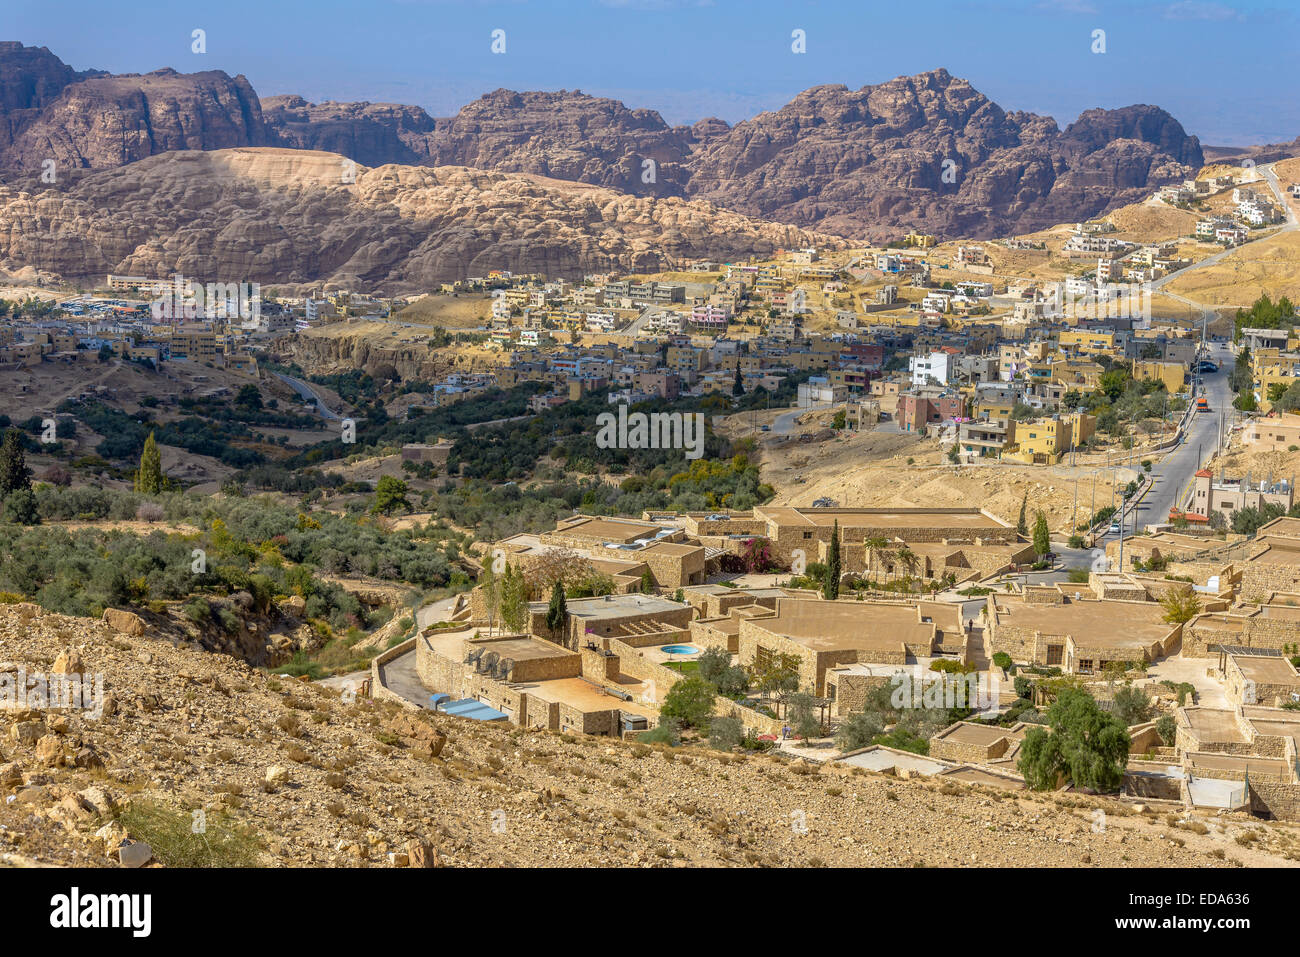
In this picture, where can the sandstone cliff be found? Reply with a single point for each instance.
(874, 160)
(108, 121)
(285, 217)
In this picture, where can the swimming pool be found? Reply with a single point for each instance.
(680, 649)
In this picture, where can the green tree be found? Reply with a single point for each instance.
(1180, 606)
(712, 662)
(149, 478)
(1002, 660)
(776, 674)
(831, 583)
(14, 473)
(557, 613)
(20, 508)
(1042, 538)
(690, 701)
(803, 716)
(514, 599)
(859, 729)
(249, 397)
(1082, 742)
(1132, 704)
(738, 387)
(1022, 523)
(390, 495)
(647, 582)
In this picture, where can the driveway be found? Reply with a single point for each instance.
(399, 676)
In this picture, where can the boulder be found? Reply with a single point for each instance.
(125, 622)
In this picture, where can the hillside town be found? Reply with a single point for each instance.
(647, 436)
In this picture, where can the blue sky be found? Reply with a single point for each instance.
(1225, 68)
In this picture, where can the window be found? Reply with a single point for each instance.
(1055, 654)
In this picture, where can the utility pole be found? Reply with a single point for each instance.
(1074, 509)
(1092, 515)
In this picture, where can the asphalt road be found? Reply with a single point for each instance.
(308, 393)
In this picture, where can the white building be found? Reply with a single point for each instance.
(936, 366)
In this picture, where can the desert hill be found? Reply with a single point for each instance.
(294, 774)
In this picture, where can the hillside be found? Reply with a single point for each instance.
(286, 217)
(291, 774)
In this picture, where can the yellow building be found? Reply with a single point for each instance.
(1171, 374)
(1045, 441)
(1269, 366)
(1087, 341)
(919, 240)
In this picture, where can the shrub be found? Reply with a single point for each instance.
(665, 732)
(1167, 728)
(690, 701)
(725, 733)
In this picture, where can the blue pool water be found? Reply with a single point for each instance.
(680, 649)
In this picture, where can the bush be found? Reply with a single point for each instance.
(1132, 704)
(1167, 728)
(665, 732)
(725, 733)
(690, 702)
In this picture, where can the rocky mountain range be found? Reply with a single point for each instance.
(285, 217)
(928, 152)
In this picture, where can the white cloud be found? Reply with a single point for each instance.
(1200, 10)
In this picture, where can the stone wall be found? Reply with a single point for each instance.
(1248, 630)
(1260, 578)
(965, 752)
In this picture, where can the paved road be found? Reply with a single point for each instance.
(784, 423)
(309, 394)
(399, 676)
(1172, 473)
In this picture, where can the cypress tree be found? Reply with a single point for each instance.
(831, 579)
(557, 615)
(15, 476)
(149, 479)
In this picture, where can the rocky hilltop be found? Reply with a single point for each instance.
(865, 162)
(570, 135)
(872, 160)
(107, 121)
(369, 133)
(284, 217)
(296, 774)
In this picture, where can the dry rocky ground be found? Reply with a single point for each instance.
(292, 774)
(871, 469)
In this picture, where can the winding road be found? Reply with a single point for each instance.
(309, 394)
